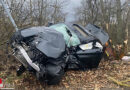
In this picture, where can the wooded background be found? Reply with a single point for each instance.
(110, 15)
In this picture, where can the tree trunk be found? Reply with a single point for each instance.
(120, 35)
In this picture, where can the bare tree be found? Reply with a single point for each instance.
(111, 15)
(57, 14)
(29, 13)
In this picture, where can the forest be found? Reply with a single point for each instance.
(113, 16)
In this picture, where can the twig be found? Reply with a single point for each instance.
(121, 83)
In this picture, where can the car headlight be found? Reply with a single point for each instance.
(90, 46)
(86, 46)
(98, 45)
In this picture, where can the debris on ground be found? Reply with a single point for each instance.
(90, 79)
(126, 58)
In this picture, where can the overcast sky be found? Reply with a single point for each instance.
(70, 9)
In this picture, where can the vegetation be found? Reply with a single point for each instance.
(110, 15)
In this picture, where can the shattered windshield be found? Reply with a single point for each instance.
(79, 30)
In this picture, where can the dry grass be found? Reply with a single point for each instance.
(72, 80)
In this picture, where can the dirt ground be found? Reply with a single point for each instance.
(96, 79)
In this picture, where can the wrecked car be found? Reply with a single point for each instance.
(50, 51)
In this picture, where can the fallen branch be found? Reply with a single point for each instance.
(121, 83)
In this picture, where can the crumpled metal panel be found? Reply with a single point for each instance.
(47, 40)
(98, 33)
